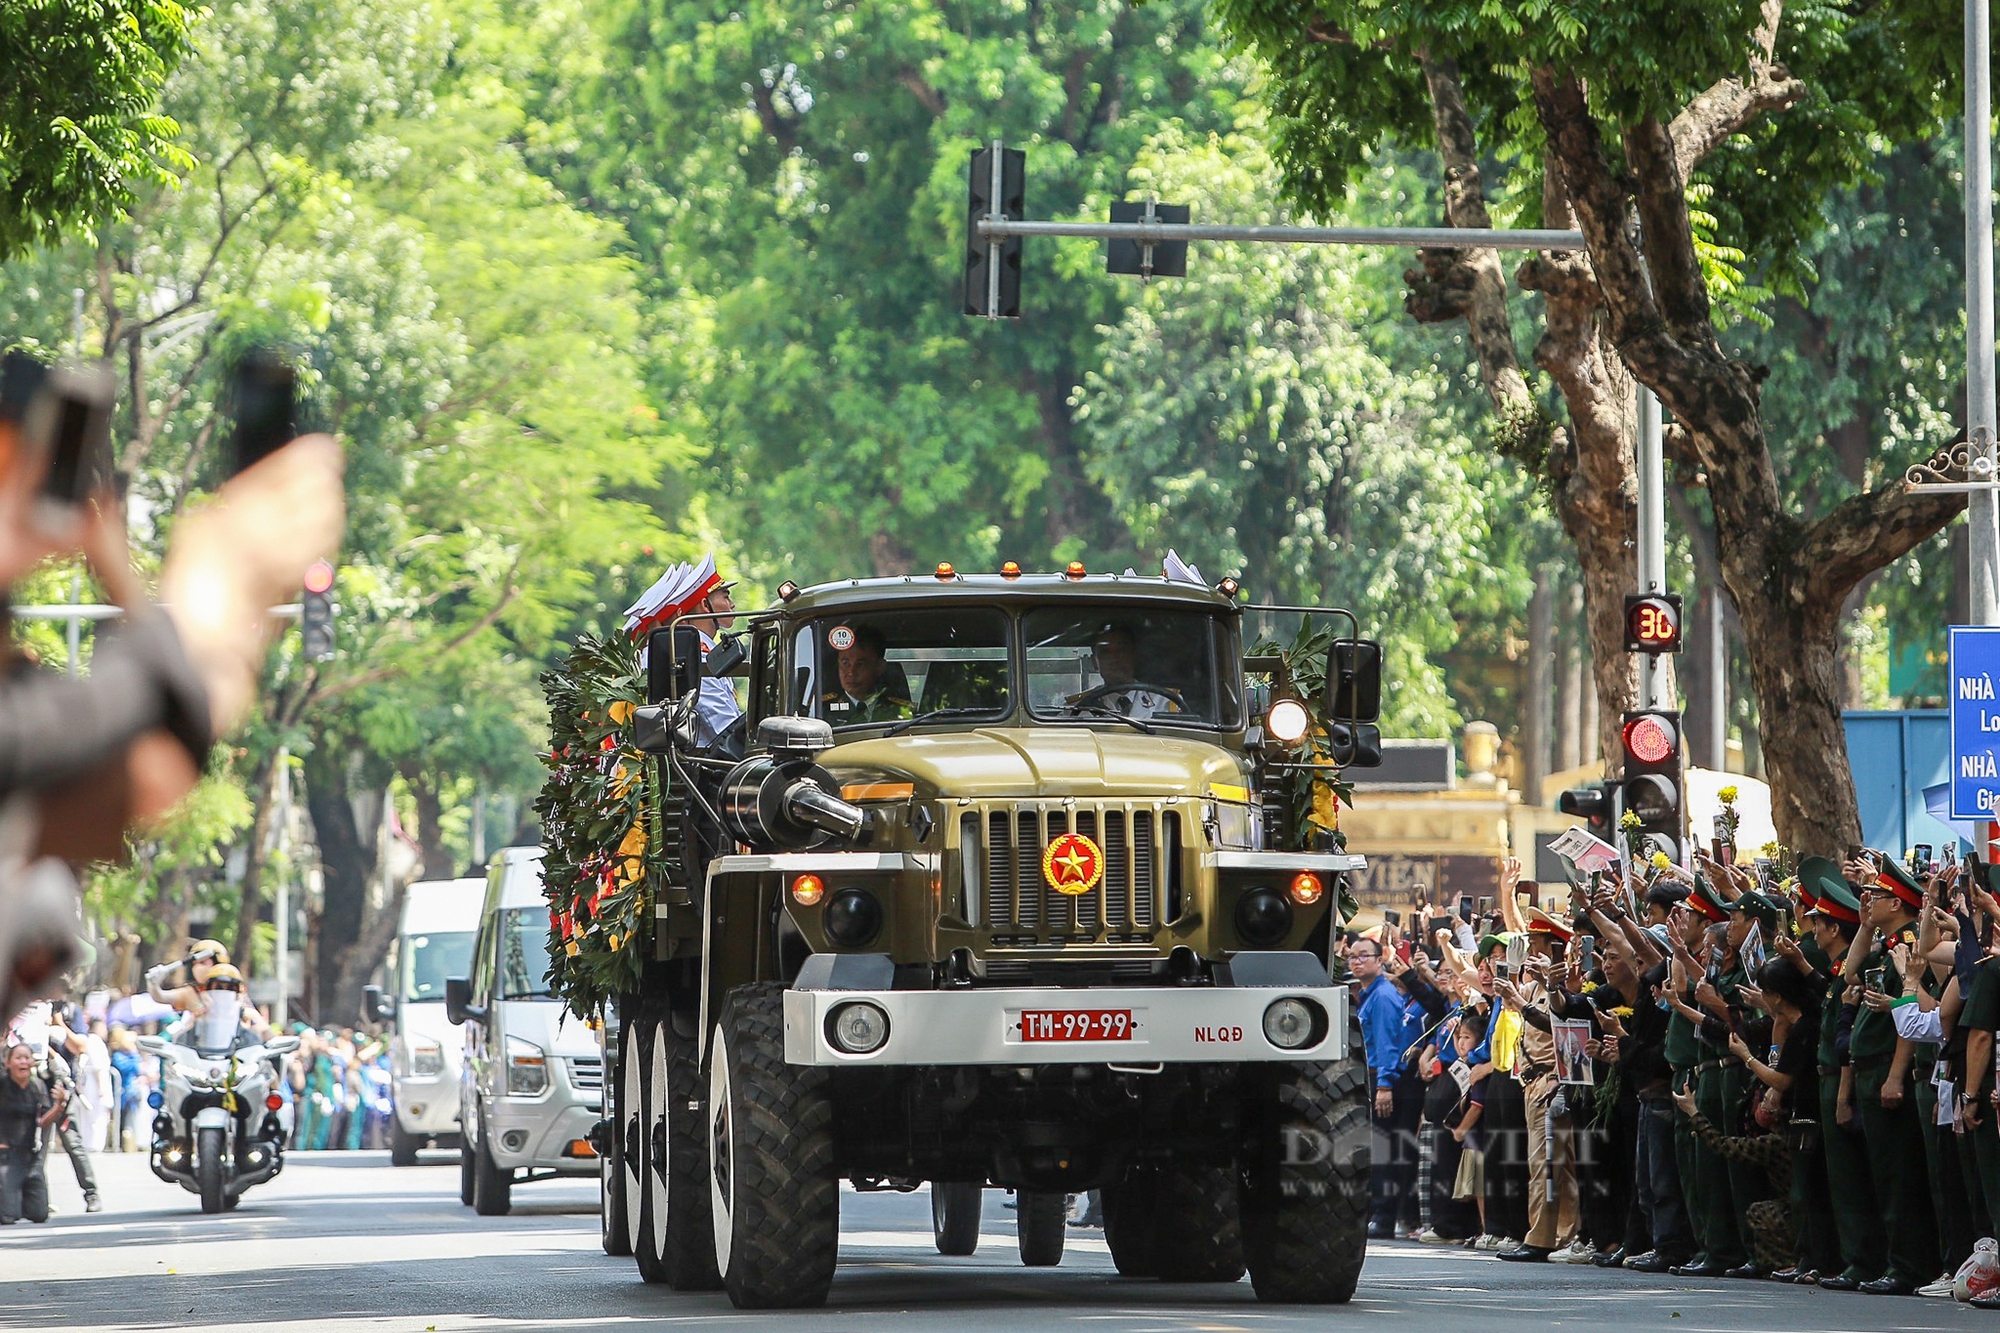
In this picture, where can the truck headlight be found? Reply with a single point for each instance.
(426, 1057)
(852, 917)
(1263, 917)
(1291, 1024)
(527, 1068)
(858, 1027)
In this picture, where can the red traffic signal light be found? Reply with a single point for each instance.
(319, 577)
(1653, 623)
(1651, 738)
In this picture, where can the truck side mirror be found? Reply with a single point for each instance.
(673, 663)
(375, 1006)
(458, 1005)
(1354, 680)
(1355, 744)
(652, 731)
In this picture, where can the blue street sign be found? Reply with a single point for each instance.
(1975, 721)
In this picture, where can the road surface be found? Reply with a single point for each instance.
(344, 1241)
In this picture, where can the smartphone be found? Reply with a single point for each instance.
(70, 420)
(1921, 857)
(263, 396)
(1763, 865)
(1393, 918)
(1465, 907)
(1872, 978)
(1586, 947)
(1485, 906)
(1949, 857)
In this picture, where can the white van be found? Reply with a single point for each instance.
(440, 918)
(532, 1087)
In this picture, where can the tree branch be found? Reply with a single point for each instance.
(1668, 233)
(1865, 533)
(1729, 104)
(930, 98)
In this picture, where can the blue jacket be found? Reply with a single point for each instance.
(1386, 1018)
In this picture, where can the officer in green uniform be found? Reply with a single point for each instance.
(870, 691)
(1664, 904)
(1704, 1174)
(1834, 913)
(1883, 1096)
(1728, 1083)
(1979, 1020)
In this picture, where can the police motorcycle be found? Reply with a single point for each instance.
(216, 1081)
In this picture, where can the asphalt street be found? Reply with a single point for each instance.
(344, 1241)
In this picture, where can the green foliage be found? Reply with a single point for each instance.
(601, 857)
(80, 132)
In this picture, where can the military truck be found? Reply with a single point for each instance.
(996, 890)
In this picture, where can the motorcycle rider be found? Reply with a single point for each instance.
(206, 959)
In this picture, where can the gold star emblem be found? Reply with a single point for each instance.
(1072, 864)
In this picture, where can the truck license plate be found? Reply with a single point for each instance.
(1076, 1025)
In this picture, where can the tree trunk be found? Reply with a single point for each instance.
(1535, 707)
(430, 832)
(265, 787)
(369, 946)
(347, 861)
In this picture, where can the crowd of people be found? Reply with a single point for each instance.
(1723, 1073)
(85, 760)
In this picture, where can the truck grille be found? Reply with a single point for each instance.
(586, 1073)
(1015, 901)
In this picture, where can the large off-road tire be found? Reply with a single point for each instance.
(649, 1209)
(1040, 1223)
(1131, 1217)
(492, 1184)
(775, 1196)
(614, 1198)
(211, 1167)
(1305, 1186)
(1197, 1228)
(466, 1162)
(955, 1214)
(683, 1232)
(402, 1147)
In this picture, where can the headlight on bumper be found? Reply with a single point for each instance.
(1293, 1023)
(857, 1028)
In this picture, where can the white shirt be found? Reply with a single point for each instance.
(715, 706)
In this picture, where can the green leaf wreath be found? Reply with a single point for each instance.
(602, 852)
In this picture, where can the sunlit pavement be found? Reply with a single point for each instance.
(345, 1241)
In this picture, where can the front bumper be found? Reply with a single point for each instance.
(545, 1129)
(1169, 1025)
(428, 1105)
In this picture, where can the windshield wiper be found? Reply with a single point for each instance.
(909, 722)
(1099, 710)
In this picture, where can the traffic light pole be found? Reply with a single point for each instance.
(1652, 538)
(993, 238)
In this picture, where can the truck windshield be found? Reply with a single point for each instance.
(429, 959)
(524, 954)
(1149, 664)
(887, 666)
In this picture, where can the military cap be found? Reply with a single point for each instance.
(1833, 897)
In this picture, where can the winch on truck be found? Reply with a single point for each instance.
(1003, 883)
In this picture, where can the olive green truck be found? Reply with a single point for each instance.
(995, 886)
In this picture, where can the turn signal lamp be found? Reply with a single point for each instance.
(807, 890)
(273, 1102)
(1010, 570)
(1075, 570)
(1287, 721)
(1306, 888)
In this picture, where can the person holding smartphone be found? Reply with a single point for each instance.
(1884, 1101)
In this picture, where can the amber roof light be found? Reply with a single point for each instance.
(1075, 570)
(1010, 570)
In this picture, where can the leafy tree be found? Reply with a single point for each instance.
(80, 131)
(1714, 130)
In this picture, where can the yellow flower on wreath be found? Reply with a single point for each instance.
(620, 712)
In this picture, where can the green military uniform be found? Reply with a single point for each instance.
(881, 706)
(1730, 1186)
(1895, 1139)
(1857, 1219)
(1683, 1053)
(1982, 1013)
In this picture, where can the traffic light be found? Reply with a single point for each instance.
(1168, 259)
(316, 613)
(1653, 622)
(1595, 806)
(1651, 790)
(979, 252)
